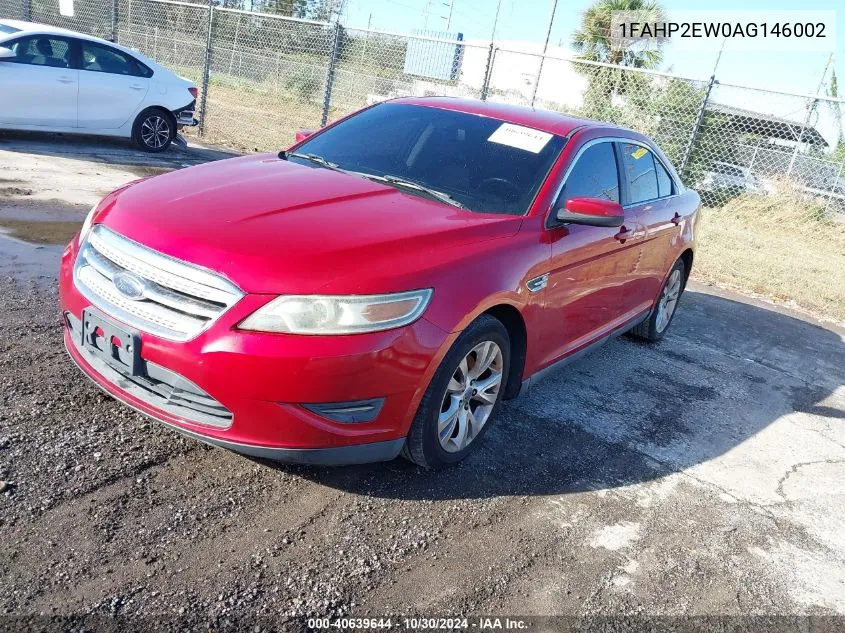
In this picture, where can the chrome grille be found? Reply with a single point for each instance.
(177, 300)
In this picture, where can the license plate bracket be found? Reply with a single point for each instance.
(100, 337)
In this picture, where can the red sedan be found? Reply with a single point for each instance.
(380, 287)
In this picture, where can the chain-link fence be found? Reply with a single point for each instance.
(771, 141)
(263, 76)
(662, 106)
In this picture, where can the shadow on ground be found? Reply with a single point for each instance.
(103, 149)
(633, 412)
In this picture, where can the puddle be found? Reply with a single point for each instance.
(23, 261)
(142, 171)
(39, 232)
(15, 191)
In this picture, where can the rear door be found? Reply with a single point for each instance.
(39, 85)
(650, 198)
(589, 264)
(112, 85)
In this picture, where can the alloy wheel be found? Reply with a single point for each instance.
(155, 131)
(668, 301)
(471, 394)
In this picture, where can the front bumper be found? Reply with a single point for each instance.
(262, 381)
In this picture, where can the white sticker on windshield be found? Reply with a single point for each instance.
(520, 137)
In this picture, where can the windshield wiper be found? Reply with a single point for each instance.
(410, 184)
(314, 158)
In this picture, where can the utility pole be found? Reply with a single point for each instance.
(367, 39)
(719, 56)
(495, 21)
(545, 48)
(451, 5)
(811, 106)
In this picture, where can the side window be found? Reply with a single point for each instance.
(104, 59)
(638, 164)
(41, 50)
(664, 180)
(594, 175)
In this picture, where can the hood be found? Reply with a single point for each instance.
(272, 226)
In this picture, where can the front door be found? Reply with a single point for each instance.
(39, 84)
(589, 264)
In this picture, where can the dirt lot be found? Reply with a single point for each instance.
(701, 476)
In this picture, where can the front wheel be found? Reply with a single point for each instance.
(154, 130)
(653, 328)
(463, 396)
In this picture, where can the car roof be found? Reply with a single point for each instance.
(33, 28)
(543, 120)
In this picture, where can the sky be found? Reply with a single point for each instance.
(529, 19)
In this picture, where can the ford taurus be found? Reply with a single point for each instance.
(380, 287)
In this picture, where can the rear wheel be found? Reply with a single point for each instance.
(154, 130)
(653, 328)
(463, 396)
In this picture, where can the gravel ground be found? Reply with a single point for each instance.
(700, 476)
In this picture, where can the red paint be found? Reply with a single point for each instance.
(301, 135)
(275, 227)
(596, 207)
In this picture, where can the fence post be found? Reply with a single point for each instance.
(804, 124)
(699, 119)
(833, 188)
(206, 71)
(488, 71)
(539, 76)
(114, 21)
(753, 157)
(27, 11)
(327, 98)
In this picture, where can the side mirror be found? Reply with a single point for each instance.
(6, 53)
(301, 135)
(592, 212)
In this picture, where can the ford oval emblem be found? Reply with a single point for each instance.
(129, 285)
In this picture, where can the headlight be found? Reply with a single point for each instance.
(354, 314)
(86, 225)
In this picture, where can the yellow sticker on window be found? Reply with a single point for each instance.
(639, 153)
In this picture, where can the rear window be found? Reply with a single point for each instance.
(104, 59)
(639, 170)
(5, 29)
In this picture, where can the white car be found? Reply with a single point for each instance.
(55, 80)
(733, 178)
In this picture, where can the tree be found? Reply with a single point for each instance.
(839, 150)
(592, 41)
(289, 8)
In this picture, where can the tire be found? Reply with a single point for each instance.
(424, 445)
(154, 130)
(657, 324)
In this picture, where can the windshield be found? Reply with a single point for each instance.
(477, 162)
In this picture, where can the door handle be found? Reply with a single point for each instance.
(676, 219)
(136, 87)
(65, 80)
(624, 234)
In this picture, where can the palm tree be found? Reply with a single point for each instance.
(592, 41)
